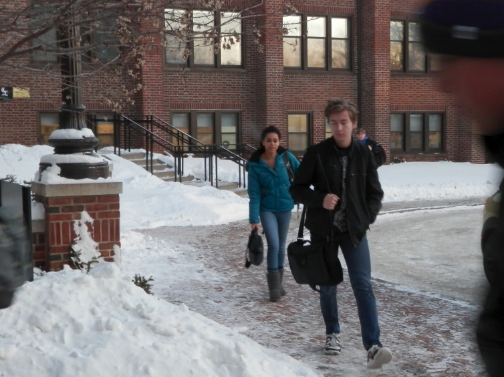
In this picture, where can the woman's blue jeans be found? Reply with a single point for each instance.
(276, 228)
(359, 270)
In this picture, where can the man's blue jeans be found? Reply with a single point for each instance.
(276, 228)
(359, 269)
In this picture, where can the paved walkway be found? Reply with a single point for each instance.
(429, 335)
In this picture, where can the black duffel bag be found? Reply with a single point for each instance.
(314, 264)
(254, 254)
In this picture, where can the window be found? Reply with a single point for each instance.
(102, 42)
(49, 122)
(209, 127)
(316, 42)
(102, 125)
(417, 132)
(406, 50)
(45, 45)
(203, 38)
(298, 132)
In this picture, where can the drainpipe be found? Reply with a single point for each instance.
(359, 61)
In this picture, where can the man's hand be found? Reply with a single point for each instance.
(330, 201)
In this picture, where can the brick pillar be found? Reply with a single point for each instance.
(270, 70)
(64, 204)
(375, 85)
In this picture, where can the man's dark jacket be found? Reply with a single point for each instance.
(490, 332)
(363, 189)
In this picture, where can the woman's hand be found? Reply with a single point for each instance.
(254, 226)
(330, 201)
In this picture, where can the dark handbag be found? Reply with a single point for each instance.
(314, 264)
(254, 254)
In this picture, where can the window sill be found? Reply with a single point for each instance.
(398, 152)
(397, 73)
(203, 69)
(319, 72)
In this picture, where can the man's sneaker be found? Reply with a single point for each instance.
(332, 344)
(377, 356)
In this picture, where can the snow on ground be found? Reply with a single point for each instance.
(70, 324)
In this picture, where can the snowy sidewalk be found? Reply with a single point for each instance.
(428, 336)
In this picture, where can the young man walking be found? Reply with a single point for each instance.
(338, 182)
(469, 36)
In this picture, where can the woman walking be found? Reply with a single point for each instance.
(271, 203)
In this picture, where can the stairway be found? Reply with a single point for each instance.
(167, 173)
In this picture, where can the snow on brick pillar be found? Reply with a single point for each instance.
(270, 70)
(375, 63)
(64, 204)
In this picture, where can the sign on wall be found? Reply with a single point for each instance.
(7, 93)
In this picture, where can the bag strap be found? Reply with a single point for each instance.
(288, 166)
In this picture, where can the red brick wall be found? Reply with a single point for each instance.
(263, 92)
(61, 213)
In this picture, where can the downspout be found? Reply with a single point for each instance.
(359, 61)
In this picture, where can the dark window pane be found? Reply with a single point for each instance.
(292, 26)
(416, 57)
(416, 122)
(339, 28)
(414, 32)
(292, 52)
(435, 63)
(298, 142)
(297, 122)
(416, 140)
(396, 56)
(204, 51)
(316, 27)
(175, 49)
(435, 122)
(203, 23)
(416, 131)
(397, 131)
(230, 140)
(396, 31)
(316, 53)
(339, 53)
(396, 140)
(435, 140)
(231, 51)
(229, 123)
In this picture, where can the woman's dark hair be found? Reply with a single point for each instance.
(269, 130)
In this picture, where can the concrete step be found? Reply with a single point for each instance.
(241, 192)
(164, 174)
(133, 155)
(230, 186)
(186, 178)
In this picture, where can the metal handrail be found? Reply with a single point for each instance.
(131, 128)
(193, 145)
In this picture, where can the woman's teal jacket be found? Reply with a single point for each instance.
(268, 189)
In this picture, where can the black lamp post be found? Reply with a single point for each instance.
(82, 141)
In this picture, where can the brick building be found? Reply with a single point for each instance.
(367, 51)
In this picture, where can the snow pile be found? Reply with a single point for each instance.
(102, 325)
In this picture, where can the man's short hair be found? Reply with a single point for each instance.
(360, 131)
(337, 105)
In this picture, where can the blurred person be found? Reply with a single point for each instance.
(271, 203)
(376, 148)
(338, 182)
(469, 37)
